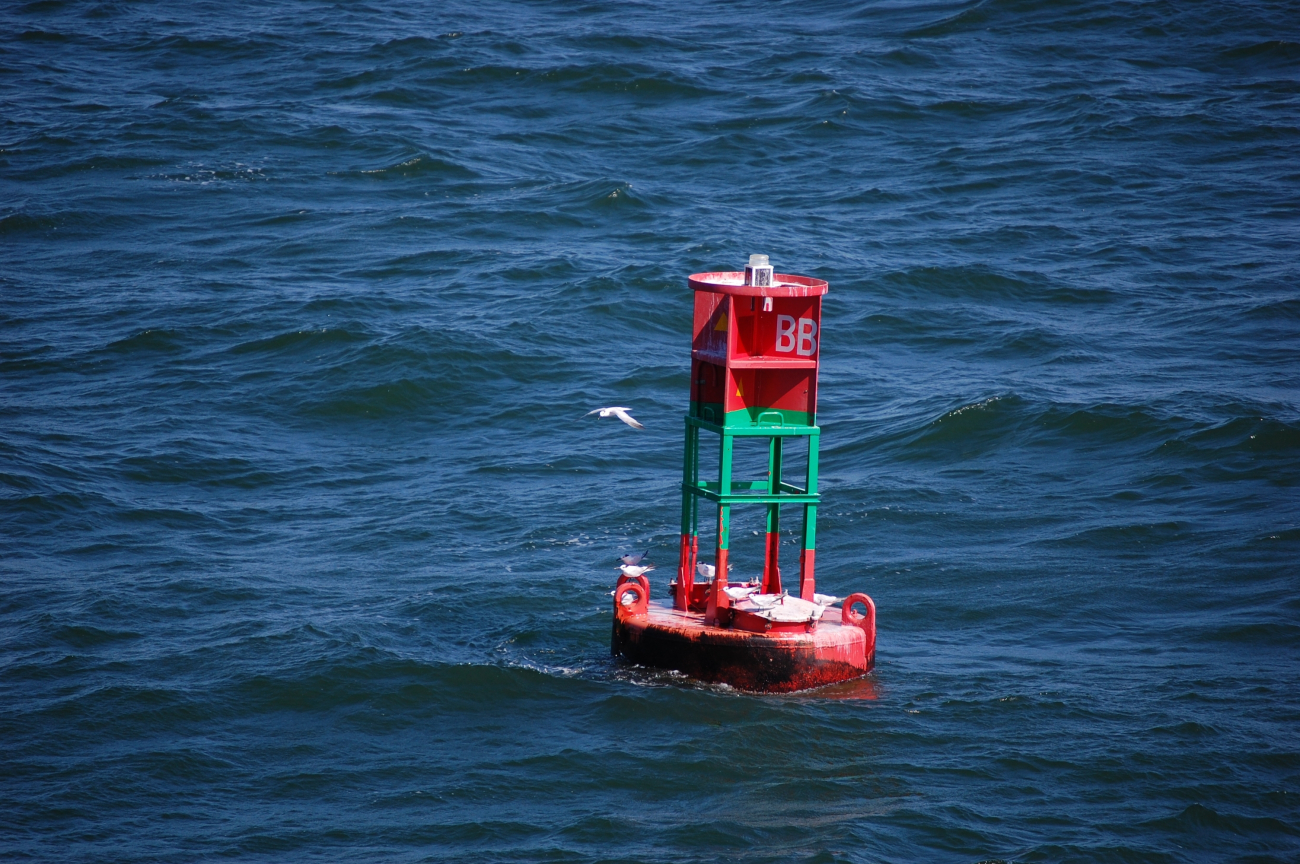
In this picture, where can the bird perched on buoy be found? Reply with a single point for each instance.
(619, 412)
(708, 571)
(632, 571)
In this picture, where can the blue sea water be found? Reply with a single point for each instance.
(304, 542)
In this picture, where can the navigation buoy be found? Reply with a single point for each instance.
(754, 361)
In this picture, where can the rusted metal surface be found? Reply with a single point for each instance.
(775, 662)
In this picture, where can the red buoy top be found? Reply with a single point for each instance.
(733, 282)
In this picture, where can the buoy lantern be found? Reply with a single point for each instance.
(754, 361)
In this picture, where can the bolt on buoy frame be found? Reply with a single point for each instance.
(754, 362)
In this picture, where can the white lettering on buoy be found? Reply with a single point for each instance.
(784, 333)
(807, 337)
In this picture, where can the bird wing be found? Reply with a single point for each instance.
(621, 413)
(596, 411)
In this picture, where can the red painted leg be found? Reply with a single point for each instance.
(771, 568)
(807, 564)
(695, 552)
(685, 575)
(718, 598)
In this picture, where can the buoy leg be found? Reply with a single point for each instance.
(685, 560)
(808, 557)
(771, 568)
(718, 598)
(718, 593)
(685, 574)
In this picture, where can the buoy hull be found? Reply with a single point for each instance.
(776, 662)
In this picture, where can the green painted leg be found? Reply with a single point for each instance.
(724, 541)
(771, 563)
(690, 470)
(724, 464)
(813, 441)
(808, 557)
(717, 597)
(695, 480)
(690, 545)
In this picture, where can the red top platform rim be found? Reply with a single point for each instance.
(733, 282)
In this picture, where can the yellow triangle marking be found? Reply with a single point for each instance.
(738, 393)
(722, 322)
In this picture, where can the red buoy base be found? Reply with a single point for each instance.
(653, 633)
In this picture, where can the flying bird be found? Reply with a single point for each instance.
(634, 571)
(632, 559)
(620, 413)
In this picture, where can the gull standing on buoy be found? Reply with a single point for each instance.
(633, 571)
(620, 413)
(708, 571)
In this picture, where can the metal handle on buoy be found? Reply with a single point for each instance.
(866, 622)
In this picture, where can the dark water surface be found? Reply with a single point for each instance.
(304, 545)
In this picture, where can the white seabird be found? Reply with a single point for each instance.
(619, 412)
(708, 571)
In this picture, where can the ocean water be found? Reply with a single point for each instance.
(305, 543)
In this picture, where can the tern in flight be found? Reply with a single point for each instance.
(633, 558)
(620, 413)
